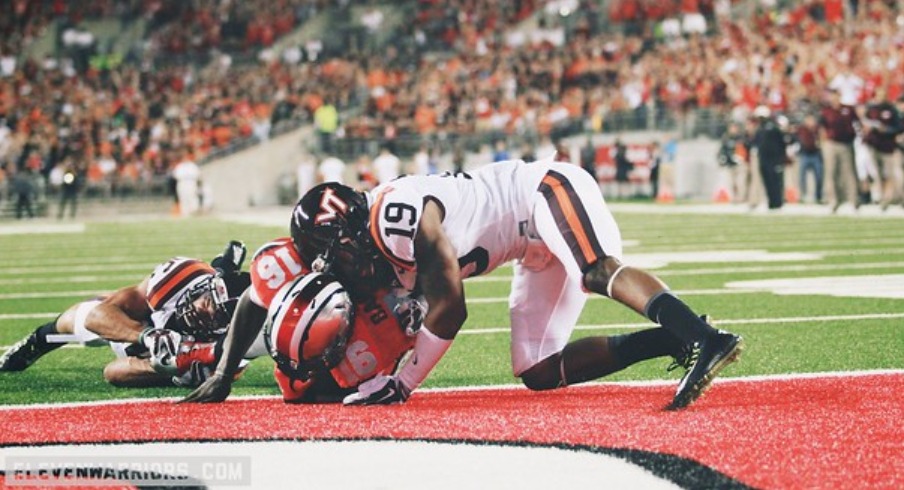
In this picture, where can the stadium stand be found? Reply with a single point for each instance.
(123, 87)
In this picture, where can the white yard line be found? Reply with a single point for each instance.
(621, 326)
(739, 270)
(91, 293)
(719, 322)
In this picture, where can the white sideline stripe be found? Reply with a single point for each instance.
(620, 326)
(719, 322)
(69, 280)
(55, 294)
(655, 382)
(738, 270)
(596, 297)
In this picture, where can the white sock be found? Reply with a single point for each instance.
(428, 350)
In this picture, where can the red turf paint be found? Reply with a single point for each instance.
(832, 432)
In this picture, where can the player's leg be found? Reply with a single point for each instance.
(544, 308)
(575, 223)
(42, 340)
(134, 372)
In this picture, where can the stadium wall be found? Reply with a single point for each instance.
(252, 177)
(263, 175)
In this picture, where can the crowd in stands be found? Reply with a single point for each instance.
(529, 69)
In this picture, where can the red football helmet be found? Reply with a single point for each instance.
(308, 325)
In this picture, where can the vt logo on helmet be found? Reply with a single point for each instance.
(331, 207)
(330, 230)
(308, 325)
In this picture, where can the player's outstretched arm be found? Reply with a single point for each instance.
(245, 326)
(121, 316)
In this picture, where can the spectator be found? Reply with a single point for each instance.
(623, 167)
(882, 125)
(588, 157)
(769, 142)
(386, 165)
(420, 163)
(655, 164)
(326, 121)
(331, 169)
(70, 185)
(187, 175)
(500, 152)
(810, 157)
(305, 174)
(364, 169)
(23, 187)
(837, 142)
(733, 152)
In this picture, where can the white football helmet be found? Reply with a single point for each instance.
(308, 325)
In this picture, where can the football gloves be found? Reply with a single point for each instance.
(196, 374)
(230, 261)
(381, 390)
(163, 346)
(410, 313)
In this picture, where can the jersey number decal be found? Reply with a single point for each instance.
(362, 361)
(396, 213)
(475, 262)
(276, 269)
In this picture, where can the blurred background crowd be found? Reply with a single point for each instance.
(114, 98)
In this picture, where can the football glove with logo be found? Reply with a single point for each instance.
(381, 390)
(410, 313)
(196, 374)
(163, 346)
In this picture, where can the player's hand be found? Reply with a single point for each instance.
(214, 390)
(381, 390)
(163, 346)
(230, 261)
(196, 374)
(410, 313)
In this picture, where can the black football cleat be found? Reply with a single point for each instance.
(23, 354)
(716, 352)
(688, 354)
(685, 358)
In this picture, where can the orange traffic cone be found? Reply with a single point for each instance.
(665, 196)
(792, 195)
(722, 196)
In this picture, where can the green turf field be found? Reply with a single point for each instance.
(717, 262)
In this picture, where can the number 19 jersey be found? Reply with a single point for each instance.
(486, 215)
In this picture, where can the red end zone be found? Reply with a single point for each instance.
(827, 432)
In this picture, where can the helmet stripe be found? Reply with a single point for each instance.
(313, 295)
(181, 277)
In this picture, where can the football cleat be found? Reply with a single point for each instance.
(23, 354)
(686, 358)
(716, 352)
(688, 354)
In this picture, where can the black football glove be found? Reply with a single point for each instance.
(231, 259)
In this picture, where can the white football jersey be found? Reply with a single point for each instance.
(486, 215)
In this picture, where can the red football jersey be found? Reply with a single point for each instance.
(377, 342)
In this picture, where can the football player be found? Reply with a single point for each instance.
(548, 217)
(312, 367)
(163, 330)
